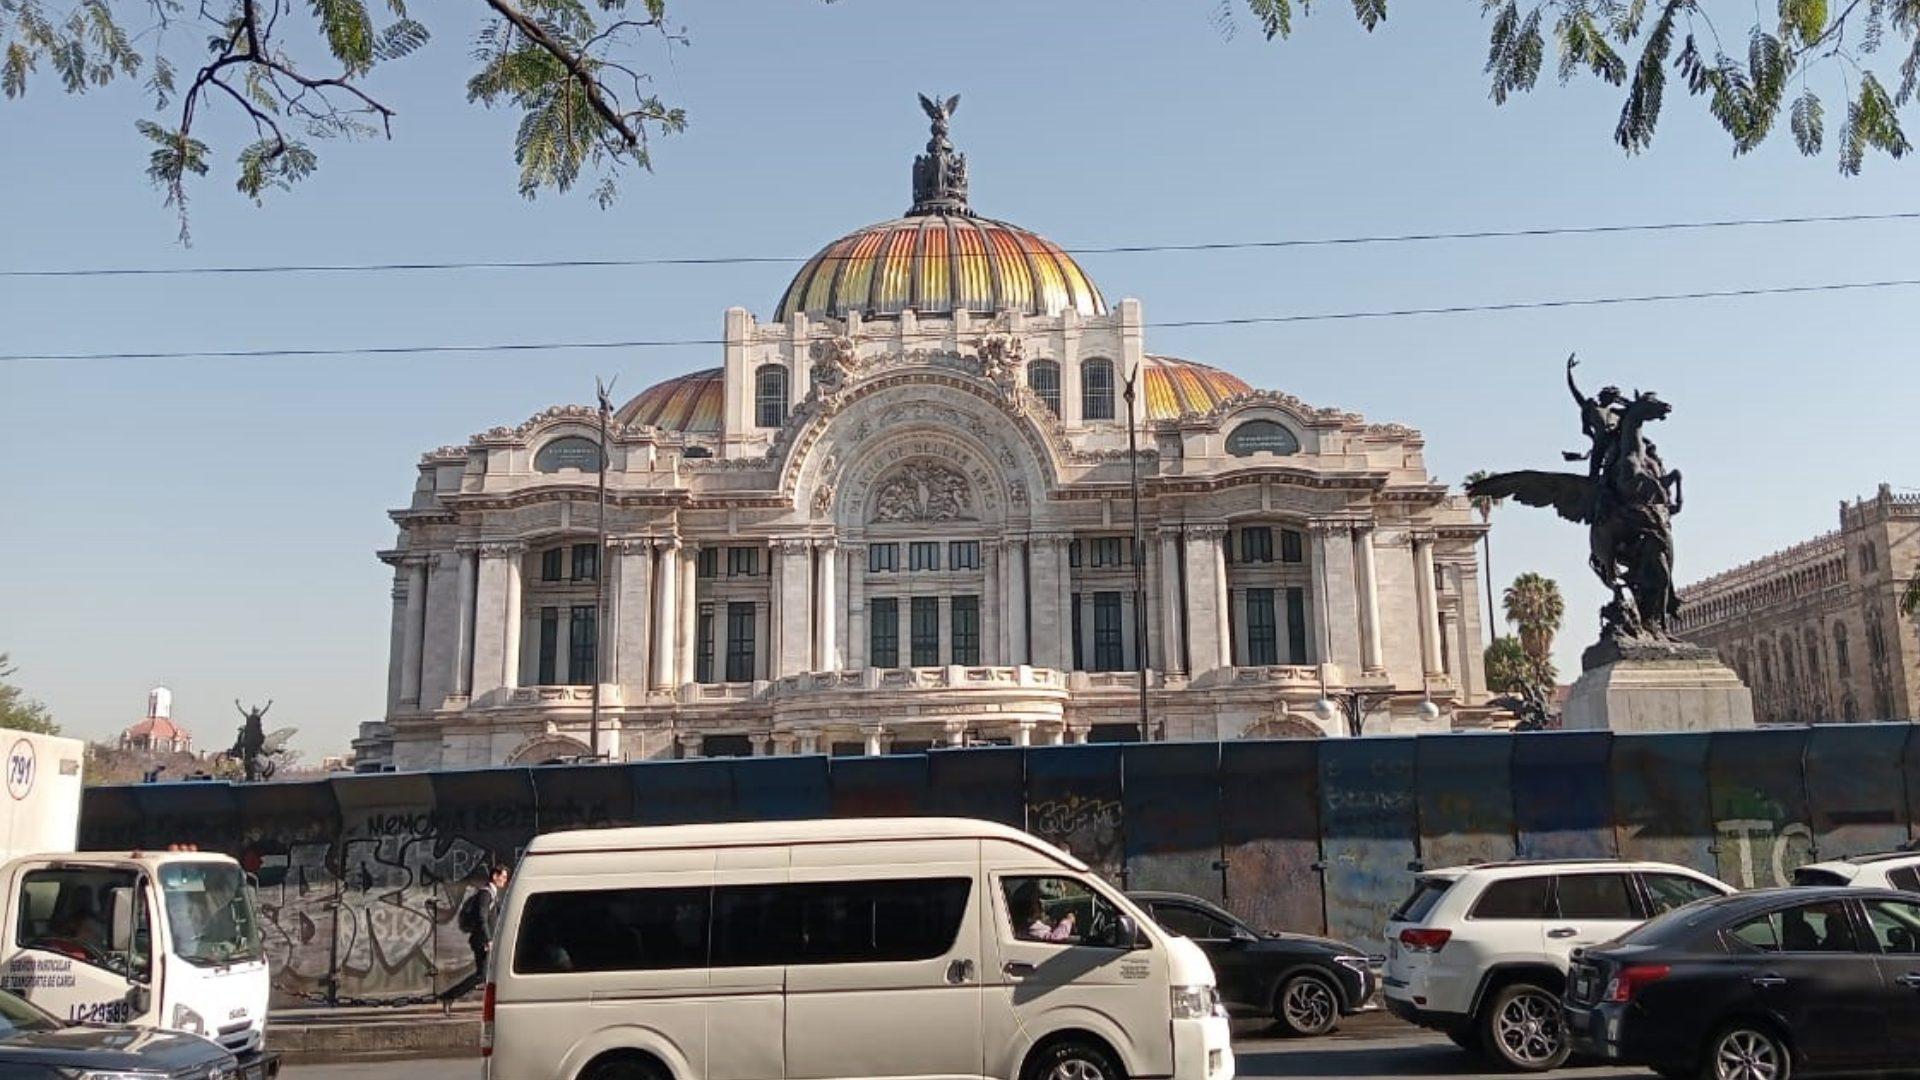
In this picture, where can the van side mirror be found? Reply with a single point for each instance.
(120, 901)
(1125, 933)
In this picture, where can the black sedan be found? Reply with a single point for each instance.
(1305, 983)
(35, 1045)
(1757, 986)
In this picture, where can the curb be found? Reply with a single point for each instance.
(315, 1036)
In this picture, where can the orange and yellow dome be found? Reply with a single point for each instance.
(936, 264)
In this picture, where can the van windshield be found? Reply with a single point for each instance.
(209, 914)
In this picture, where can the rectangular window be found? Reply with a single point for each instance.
(1296, 625)
(1515, 898)
(926, 631)
(1263, 645)
(1108, 551)
(963, 555)
(1256, 544)
(1596, 896)
(966, 629)
(581, 646)
(553, 564)
(883, 558)
(1079, 658)
(549, 646)
(613, 930)
(95, 915)
(841, 922)
(709, 565)
(1290, 546)
(740, 641)
(703, 645)
(1073, 553)
(726, 746)
(586, 562)
(1108, 651)
(883, 632)
(743, 561)
(923, 555)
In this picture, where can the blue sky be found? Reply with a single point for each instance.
(210, 524)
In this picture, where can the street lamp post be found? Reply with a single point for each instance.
(601, 391)
(1142, 653)
(1351, 704)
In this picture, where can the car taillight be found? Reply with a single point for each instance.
(486, 1022)
(1426, 941)
(1628, 982)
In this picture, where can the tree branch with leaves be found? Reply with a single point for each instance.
(1746, 82)
(290, 73)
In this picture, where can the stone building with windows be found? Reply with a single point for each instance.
(898, 515)
(1816, 630)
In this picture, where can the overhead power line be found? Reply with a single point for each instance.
(1118, 249)
(1247, 320)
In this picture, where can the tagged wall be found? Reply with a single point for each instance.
(361, 877)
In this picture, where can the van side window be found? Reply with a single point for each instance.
(613, 930)
(93, 915)
(838, 922)
(1057, 909)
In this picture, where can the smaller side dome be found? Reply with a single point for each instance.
(1173, 387)
(692, 403)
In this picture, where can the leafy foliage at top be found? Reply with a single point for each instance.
(289, 72)
(1745, 83)
(17, 710)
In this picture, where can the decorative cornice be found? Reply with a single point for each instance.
(501, 549)
(1205, 531)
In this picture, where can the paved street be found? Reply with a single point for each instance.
(1370, 1055)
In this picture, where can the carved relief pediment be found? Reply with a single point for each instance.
(923, 491)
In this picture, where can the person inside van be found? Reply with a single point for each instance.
(1030, 917)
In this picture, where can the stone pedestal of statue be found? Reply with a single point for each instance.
(1656, 686)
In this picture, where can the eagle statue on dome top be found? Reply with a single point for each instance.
(1627, 498)
(940, 174)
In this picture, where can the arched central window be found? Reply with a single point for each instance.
(770, 396)
(1043, 377)
(1096, 390)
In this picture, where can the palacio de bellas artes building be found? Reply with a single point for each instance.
(898, 516)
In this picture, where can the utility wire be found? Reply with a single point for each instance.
(1121, 249)
(1249, 320)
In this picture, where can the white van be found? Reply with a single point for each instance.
(810, 950)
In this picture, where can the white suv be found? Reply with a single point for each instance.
(1480, 952)
(1889, 870)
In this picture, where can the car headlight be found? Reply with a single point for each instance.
(185, 1019)
(1196, 1003)
(1359, 965)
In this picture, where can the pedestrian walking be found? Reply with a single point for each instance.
(476, 919)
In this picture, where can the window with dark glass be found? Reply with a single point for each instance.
(840, 922)
(547, 673)
(1596, 896)
(883, 632)
(1043, 377)
(966, 629)
(923, 555)
(703, 645)
(1821, 927)
(1515, 898)
(743, 561)
(963, 555)
(726, 746)
(1079, 660)
(1108, 551)
(1256, 544)
(1895, 925)
(1841, 661)
(1073, 553)
(770, 396)
(709, 562)
(926, 631)
(1669, 891)
(581, 645)
(98, 916)
(1263, 644)
(586, 562)
(553, 564)
(1191, 922)
(1096, 390)
(613, 930)
(740, 641)
(1108, 649)
(883, 558)
(1290, 546)
(1296, 626)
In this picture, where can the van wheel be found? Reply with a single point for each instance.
(1072, 1060)
(1521, 1028)
(1307, 1005)
(623, 1068)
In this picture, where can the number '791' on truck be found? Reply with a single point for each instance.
(155, 939)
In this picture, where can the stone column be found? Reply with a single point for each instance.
(691, 744)
(1017, 595)
(793, 630)
(666, 607)
(1023, 733)
(1333, 541)
(762, 744)
(875, 740)
(1206, 598)
(633, 611)
(496, 628)
(857, 633)
(1063, 576)
(1085, 604)
(463, 621)
(1217, 552)
(1172, 620)
(1043, 600)
(992, 651)
(1429, 607)
(771, 647)
(414, 629)
(1372, 658)
(689, 612)
(441, 628)
(826, 647)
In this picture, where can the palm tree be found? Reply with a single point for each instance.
(1485, 504)
(1533, 604)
